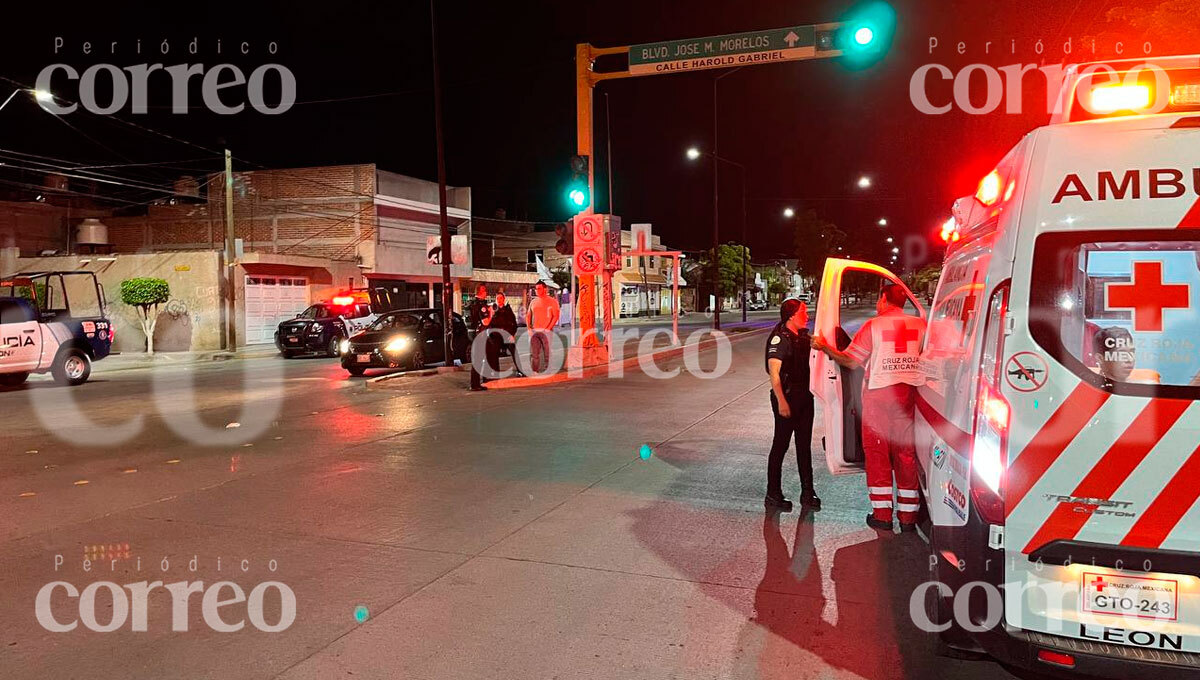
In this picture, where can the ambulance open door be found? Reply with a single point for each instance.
(848, 292)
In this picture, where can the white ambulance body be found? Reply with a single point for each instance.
(1058, 429)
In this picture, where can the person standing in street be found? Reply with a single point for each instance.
(479, 318)
(542, 320)
(889, 346)
(505, 319)
(792, 404)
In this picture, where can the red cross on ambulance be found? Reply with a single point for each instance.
(1147, 296)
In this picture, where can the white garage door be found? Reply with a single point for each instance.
(270, 300)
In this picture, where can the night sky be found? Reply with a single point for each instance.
(804, 130)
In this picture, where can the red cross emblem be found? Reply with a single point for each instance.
(1147, 296)
(900, 335)
(1100, 584)
(968, 308)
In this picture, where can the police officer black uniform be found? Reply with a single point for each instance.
(479, 318)
(788, 350)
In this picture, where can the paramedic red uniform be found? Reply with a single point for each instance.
(889, 346)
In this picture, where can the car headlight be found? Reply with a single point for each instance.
(344, 346)
(396, 345)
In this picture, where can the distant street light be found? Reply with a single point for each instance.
(693, 153)
(895, 250)
(890, 239)
(882, 222)
(40, 95)
(789, 213)
(864, 182)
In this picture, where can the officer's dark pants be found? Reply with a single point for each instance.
(491, 348)
(799, 426)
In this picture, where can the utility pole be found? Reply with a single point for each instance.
(231, 299)
(447, 288)
(716, 254)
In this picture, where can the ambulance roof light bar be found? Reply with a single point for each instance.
(1112, 98)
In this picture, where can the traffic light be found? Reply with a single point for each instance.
(579, 197)
(566, 238)
(866, 33)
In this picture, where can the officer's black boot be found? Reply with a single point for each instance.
(810, 500)
(777, 502)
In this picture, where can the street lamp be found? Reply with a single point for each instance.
(895, 250)
(890, 239)
(40, 95)
(882, 222)
(694, 153)
(789, 213)
(864, 182)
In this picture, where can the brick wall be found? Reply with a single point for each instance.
(320, 212)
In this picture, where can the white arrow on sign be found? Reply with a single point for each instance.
(791, 38)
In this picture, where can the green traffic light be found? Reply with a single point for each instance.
(866, 33)
(577, 197)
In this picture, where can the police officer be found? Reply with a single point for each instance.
(479, 318)
(792, 404)
(889, 346)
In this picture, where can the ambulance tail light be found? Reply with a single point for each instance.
(993, 416)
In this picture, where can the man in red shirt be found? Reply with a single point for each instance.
(542, 320)
(889, 347)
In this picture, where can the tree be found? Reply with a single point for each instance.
(730, 267)
(562, 278)
(815, 239)
(921, 282)
(146, 294)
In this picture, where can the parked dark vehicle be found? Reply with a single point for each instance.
(322, 327)
(405, 338)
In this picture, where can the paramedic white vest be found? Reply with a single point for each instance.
(895, 351)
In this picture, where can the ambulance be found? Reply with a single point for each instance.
(1057, 427)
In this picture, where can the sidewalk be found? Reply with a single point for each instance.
(128, 361)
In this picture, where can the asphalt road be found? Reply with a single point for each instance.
(429, 532)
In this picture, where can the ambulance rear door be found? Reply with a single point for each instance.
(848, 294)
(1096, 447)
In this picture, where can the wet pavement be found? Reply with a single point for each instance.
(429, 532)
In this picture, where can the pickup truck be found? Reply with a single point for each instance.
(52, 322)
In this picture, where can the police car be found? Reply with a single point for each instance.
(1057, 427)
(321, 328)
(52, 322)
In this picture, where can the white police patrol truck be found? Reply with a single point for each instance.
(52, 322)
(1058, 429)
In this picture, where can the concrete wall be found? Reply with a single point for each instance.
(190, 321)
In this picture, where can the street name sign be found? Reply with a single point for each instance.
(724, 51)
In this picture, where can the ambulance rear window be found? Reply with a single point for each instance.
(1121, 312)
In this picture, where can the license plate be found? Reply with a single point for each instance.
(364, 358)
(1137, 596)
(293, 340)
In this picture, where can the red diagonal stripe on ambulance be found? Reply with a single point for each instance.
(1159, 520)
(1125, 455)
(1050, 441)
(1191, 219)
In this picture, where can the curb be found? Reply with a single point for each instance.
(602, 369)
(167, 360)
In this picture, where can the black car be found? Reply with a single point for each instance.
(405, 338)
(321, 328)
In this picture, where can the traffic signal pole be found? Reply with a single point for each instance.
(818, 41)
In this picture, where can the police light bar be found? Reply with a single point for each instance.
(1113, 98)
(343, 300)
